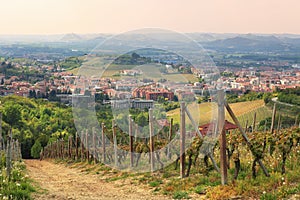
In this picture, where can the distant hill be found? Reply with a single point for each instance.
(71, 37)
(255, 43)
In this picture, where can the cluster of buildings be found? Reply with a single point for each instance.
(152, 92)
(142, 93)
(263, 79)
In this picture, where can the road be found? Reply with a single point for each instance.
(61, 182)
(275, 99)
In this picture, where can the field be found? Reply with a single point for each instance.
(243, 110)
(101, 67)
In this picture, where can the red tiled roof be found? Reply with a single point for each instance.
(204, 129)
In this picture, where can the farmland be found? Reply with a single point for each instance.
(102, 66)
(243, 110)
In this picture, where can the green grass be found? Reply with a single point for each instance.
(19, 186)
(181, 195)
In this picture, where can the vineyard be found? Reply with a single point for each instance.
(257, 164)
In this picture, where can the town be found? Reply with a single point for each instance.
(55, 83)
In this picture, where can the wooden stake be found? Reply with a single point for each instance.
(151, 139)
(279, 123)
(82, 146)
(182, 139)
(254, 121)
(62, 148)
(70, 146)
(8, 156)
(1, 137)
(273, 118)
(103, 142)
(221, 129)
(94, 146)
(170, 138)
(115, 142)
(87, 148)
(246, 126)
(76, 146)
(136, 132)
(130, 140)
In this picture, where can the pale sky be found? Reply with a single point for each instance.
(115, 16)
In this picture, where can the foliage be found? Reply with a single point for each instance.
(132, 59)
(180, 195)
(71, 63)
(19, 187)
(291, 96)
(248, 96)
(35, 119)
(36, 149)
(12, 114)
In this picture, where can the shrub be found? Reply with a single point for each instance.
(181, 195)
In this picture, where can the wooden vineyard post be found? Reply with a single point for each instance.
(18, 150)
(103, 142)
(246, 126)
(222, 132)
(12, 149)
(87, 145)
(51, 150)
(136, 132)
(115, 143)
(170, 138)
(94, 146)
(1, 137)
(8, 156)
(82, 146)
(62, 148)
(182, 139)
(76, 146)
(55, 149)
(296, 121)
(273, 118)
(151, 139)
(245, 137)
(58, 148)
(279, 123)
(254, 121)
(130, 140)
(70, 147)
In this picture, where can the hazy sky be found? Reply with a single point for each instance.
(114, 16)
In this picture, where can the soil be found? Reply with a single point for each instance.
(58, 181)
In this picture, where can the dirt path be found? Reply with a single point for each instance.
(61, 182)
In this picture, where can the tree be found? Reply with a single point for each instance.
(135, 56)
(142, 120)
(52, 96)
(36, 149)
(267, 97)
(160, 99)
(12, 114)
